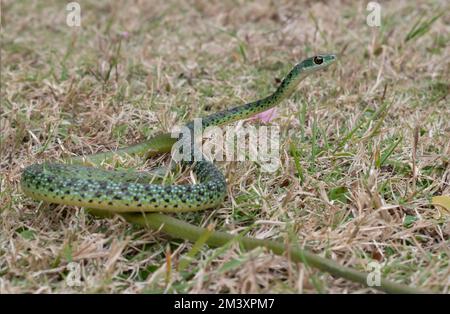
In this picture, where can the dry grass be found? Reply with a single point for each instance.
(353, 185)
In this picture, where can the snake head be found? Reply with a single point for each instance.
(317, 62)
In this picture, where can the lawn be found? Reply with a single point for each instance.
(364, 145)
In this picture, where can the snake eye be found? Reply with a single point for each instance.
(318, 60)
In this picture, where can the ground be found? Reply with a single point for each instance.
(364, 145)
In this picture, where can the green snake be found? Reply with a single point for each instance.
(131, 195)
(120, 191)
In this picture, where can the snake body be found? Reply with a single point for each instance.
(120, 191)
(131, 195)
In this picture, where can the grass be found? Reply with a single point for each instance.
(364, 145)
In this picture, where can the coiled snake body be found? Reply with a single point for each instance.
(129, 194)
(119, 191)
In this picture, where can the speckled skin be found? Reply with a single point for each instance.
(102, 189)
(121, 191)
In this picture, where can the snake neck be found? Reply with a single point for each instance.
(288, 86)
(284, 90)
